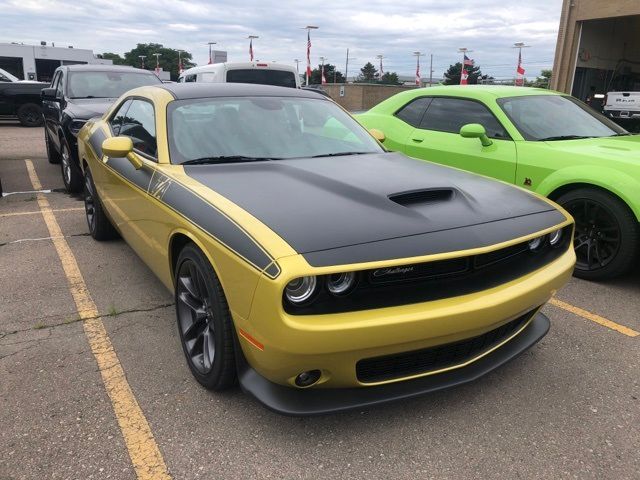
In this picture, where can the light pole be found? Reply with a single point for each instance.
(297, 66)
(157, 55)
(210, 59)
(519, 80)
(464, 52)
(322, 79)
(380, 57)
(418, 55)
(180, 61)
(308, 28)
(142, 57)
(251, 37)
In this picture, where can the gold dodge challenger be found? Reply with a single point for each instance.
(317, 269)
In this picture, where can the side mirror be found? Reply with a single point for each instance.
(377, 134)
(475, 130)
(120, 147)
(49, 94)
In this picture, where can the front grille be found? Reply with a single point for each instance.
(406, 364)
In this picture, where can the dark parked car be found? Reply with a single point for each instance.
(76, 94)
(19, 98)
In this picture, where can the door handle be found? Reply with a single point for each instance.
(417, 140)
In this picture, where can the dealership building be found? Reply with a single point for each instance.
(598, 48)
(38, 62)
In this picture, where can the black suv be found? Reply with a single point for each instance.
(76, 94)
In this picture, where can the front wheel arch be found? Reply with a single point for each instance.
(558, 192)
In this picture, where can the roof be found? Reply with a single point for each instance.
(496, 91)
(103, 68)
(182, 91)
(238, 65)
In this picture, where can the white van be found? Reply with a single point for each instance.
(243, 72)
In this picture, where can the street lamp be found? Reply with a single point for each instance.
(251, 37)
(210, 59)
(308, 28)
(322, 79)
(157, 55)
(142, 57)
(418, 55)
(380, 57)
(519, 80)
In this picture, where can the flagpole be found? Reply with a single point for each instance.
(380, 57)
(210, 59)
(157, 55)
(308, 28)
(418, 77)
(431, 71)
(519, 46)
(180, 61)
(464, 52)
(322, 79)
(346, 69)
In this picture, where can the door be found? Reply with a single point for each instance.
(437, 138)
(52, 110)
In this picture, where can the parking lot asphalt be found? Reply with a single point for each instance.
(568, 408)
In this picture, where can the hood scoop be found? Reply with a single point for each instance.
(413, 198)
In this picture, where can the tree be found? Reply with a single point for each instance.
(452, 75)
(368, 73)
(542, 81)
(329, 70)
(116, 58)
(390, 78)
(168, 59)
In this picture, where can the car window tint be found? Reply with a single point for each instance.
(190, 78)
(139, 124)
(119, 118)
(412, 112)
(450, 114)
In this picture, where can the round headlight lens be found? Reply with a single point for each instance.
(555, 238)
(535, 244)
(300, 290)
(341, 283)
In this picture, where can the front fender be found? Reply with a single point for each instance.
(615, 181)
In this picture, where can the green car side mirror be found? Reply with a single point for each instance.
(475, 130)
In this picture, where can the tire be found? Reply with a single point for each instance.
(71, 174)
(204, 322)
(100, 227)
(52, 154)
(607, 234)
(30, 115)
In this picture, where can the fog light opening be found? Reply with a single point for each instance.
(308, 378)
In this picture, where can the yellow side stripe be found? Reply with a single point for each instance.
(629, 332)
(142, 447)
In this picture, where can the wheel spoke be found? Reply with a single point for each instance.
(206, 351)
(187, 282)
(194, 328)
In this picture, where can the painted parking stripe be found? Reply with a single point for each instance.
(605, 322)
(38, 212)
(141, 446)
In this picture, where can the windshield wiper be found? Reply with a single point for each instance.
(563, 137)
(621, 134)
(227, 159)
(339, 154)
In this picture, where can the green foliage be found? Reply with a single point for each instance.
(368, 74)
(452, 75)
(390, 78)
(168, 59)
(116, 58)
(329, 70)
(542, 81)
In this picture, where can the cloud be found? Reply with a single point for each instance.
(366, 27)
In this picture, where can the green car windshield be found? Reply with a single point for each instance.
(556, 117)
(215, 130)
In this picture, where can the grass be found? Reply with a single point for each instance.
(113, 311)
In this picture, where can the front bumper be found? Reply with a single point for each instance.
(305, 402)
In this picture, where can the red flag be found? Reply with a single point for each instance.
(468, 61)
(519, 72)
(308, 56)
(464, 76)
(418, 79)
(251, 48)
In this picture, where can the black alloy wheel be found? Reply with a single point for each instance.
(30, 115)
(606, 233)
(204, 321)
(71, 175)
(100, 227)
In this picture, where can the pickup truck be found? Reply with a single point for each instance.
(622, 105)
(20, 98)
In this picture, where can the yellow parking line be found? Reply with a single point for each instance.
(37, 212)
(142, 447)
(594, 318)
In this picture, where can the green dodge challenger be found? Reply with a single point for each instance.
(538, 139)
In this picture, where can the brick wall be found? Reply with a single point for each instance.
(362, 96)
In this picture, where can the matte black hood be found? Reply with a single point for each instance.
(86, 108)
(324, 204)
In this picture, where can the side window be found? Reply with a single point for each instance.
(412, 112)
(60, 85)
(450, 114)
(119, 117)
(190, 78)
(140, 125)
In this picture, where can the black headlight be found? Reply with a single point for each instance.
(75, 126)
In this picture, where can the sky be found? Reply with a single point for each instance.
(366, 27)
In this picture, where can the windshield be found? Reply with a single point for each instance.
(556, 117)
(279, 78)
(263, 127)
(107, 84)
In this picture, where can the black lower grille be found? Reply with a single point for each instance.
(405, 364)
